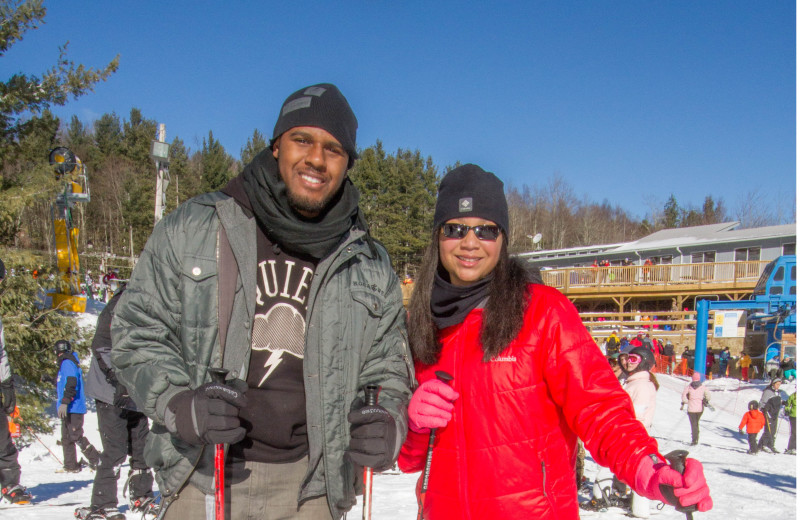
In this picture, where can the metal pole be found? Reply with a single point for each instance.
(701, 337)
(162, 177)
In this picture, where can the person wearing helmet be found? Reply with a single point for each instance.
(71, 409)
(641, 386)
(696, 396)
(753, 420)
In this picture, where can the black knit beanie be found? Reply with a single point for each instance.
(323, 106)
(469, 191)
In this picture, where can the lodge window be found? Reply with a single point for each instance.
(788, 249)
(704, 257)
(747, 253)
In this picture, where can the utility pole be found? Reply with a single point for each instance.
(159, 151)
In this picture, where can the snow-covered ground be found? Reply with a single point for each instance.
(760, 487)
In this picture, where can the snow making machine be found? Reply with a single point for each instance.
(70, 170)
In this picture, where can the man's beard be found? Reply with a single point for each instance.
(304, 205)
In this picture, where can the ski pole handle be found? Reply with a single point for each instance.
(677, 460)
(371, 396)
(444, 377)
(218, 376)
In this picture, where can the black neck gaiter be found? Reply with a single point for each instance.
(450, 304)
(270, 202)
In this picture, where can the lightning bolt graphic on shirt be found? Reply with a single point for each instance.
(272, 362)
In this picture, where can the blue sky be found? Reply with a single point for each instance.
(628, 101)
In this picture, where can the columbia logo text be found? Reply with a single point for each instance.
(504, 359)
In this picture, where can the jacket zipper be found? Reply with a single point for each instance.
(462, 438)
(338, 260)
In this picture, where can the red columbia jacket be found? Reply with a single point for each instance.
(509, 452)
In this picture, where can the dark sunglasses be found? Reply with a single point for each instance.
(484, 232)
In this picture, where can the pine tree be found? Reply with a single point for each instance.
(216, 164)
(398, 196)
(255, 145)
(23, 94)
(672, 212)
(30, 332)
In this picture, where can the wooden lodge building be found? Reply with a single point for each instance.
(653, 282)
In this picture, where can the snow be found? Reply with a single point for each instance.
(760, 487)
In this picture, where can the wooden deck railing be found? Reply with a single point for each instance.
(678, 326)
(728, 273)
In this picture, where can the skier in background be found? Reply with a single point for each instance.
(770, 406)
(123, 431)
(791, 413)
(10, 470)
(753, 420)
(696, 396)
(641, 386)
(71, 409)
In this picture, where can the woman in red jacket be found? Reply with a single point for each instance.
(527, 379)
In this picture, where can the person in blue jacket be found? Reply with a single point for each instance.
(71, 409)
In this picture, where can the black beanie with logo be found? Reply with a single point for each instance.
(470, 191)
(322, 106)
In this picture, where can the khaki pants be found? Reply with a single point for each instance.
(254, 490)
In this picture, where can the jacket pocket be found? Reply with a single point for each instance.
(371, 302)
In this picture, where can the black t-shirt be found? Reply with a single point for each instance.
(276, 413)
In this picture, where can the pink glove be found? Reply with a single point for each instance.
(431, 406)
(689, 488)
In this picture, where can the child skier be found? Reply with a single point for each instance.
(754, 420)
(72, 408)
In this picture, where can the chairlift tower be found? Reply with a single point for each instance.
(159, 151)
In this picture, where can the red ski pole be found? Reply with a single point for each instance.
(371, 394)
(445, 378)
(218, 376)
(43, 444)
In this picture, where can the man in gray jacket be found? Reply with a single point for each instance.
(276, 280)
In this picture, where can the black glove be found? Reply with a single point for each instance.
(373, 436)
(62, 411)
(8, 395)
(209, 414)
(122, 399)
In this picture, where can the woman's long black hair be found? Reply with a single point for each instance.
(502, 316)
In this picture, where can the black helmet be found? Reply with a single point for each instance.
(752, 405)
(62, 345)
(648, 360)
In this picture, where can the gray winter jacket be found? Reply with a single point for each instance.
(166, 334)
(5, 369)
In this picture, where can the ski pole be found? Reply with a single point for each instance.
(371, 393)
(43, 444)
(677, 460)
(218, 376)
(445, 378)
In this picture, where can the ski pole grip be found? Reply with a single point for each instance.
(371, 394)
(218, 375)
(677, 461)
